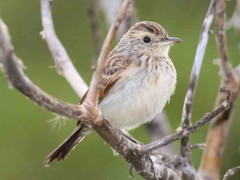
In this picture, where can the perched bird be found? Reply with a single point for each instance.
(137, 81)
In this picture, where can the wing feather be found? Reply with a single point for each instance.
(113, 72)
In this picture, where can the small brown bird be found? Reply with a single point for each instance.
(137, 82)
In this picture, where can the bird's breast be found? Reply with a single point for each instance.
(139, 97)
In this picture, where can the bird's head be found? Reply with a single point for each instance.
(149, 37)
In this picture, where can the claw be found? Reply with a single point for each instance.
(152, 167)
(131, 168)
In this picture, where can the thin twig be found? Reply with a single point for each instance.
(158, 128)
(198, 146)
(200, 52)
(187, 131)
(110, 13)
(149, 166)
(231, 172)
(218, 132)
(61, 57)
(93, 94)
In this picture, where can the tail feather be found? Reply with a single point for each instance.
(64, 149)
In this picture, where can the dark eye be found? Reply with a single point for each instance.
(146, 39)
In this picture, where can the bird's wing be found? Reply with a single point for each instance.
(115, 68)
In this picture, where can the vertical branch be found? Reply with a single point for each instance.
(218, 132)
(225, 65)
(93, 94)
(61, 58)
(110, 13)
(187, 108)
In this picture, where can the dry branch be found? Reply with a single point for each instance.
(93, 94)
(187, 107)
(231, 172)
(218, 132)
(187, 131)
(61, 57)
(110, 13)
(145, 161)
(150, 166)
(158, 128)
(20, 81)
(113, 136)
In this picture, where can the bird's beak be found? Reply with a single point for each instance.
(173, 40)
(169, 41)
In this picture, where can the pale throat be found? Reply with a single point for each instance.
(161, 51)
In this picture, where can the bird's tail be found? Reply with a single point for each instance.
(62, 151)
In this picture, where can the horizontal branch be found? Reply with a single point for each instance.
(187, 131)
(158, 128)
(62, 60)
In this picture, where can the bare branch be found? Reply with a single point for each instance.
(159, 128)
(217, 135)
(231, 172)
(110, 13)
(149, 166)
(20, 81)
(92, 96)
(187, 108)
(198, 146)
(187, 131)
(62, 59)
(226, 66)
(113, 136)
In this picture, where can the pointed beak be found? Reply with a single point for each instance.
(168, 41)
(172, 39)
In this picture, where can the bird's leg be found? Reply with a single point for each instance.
(131, 168)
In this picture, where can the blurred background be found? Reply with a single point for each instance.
(27, 135)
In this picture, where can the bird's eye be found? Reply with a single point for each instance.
(146, 39)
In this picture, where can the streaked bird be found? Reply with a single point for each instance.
(138, 80)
